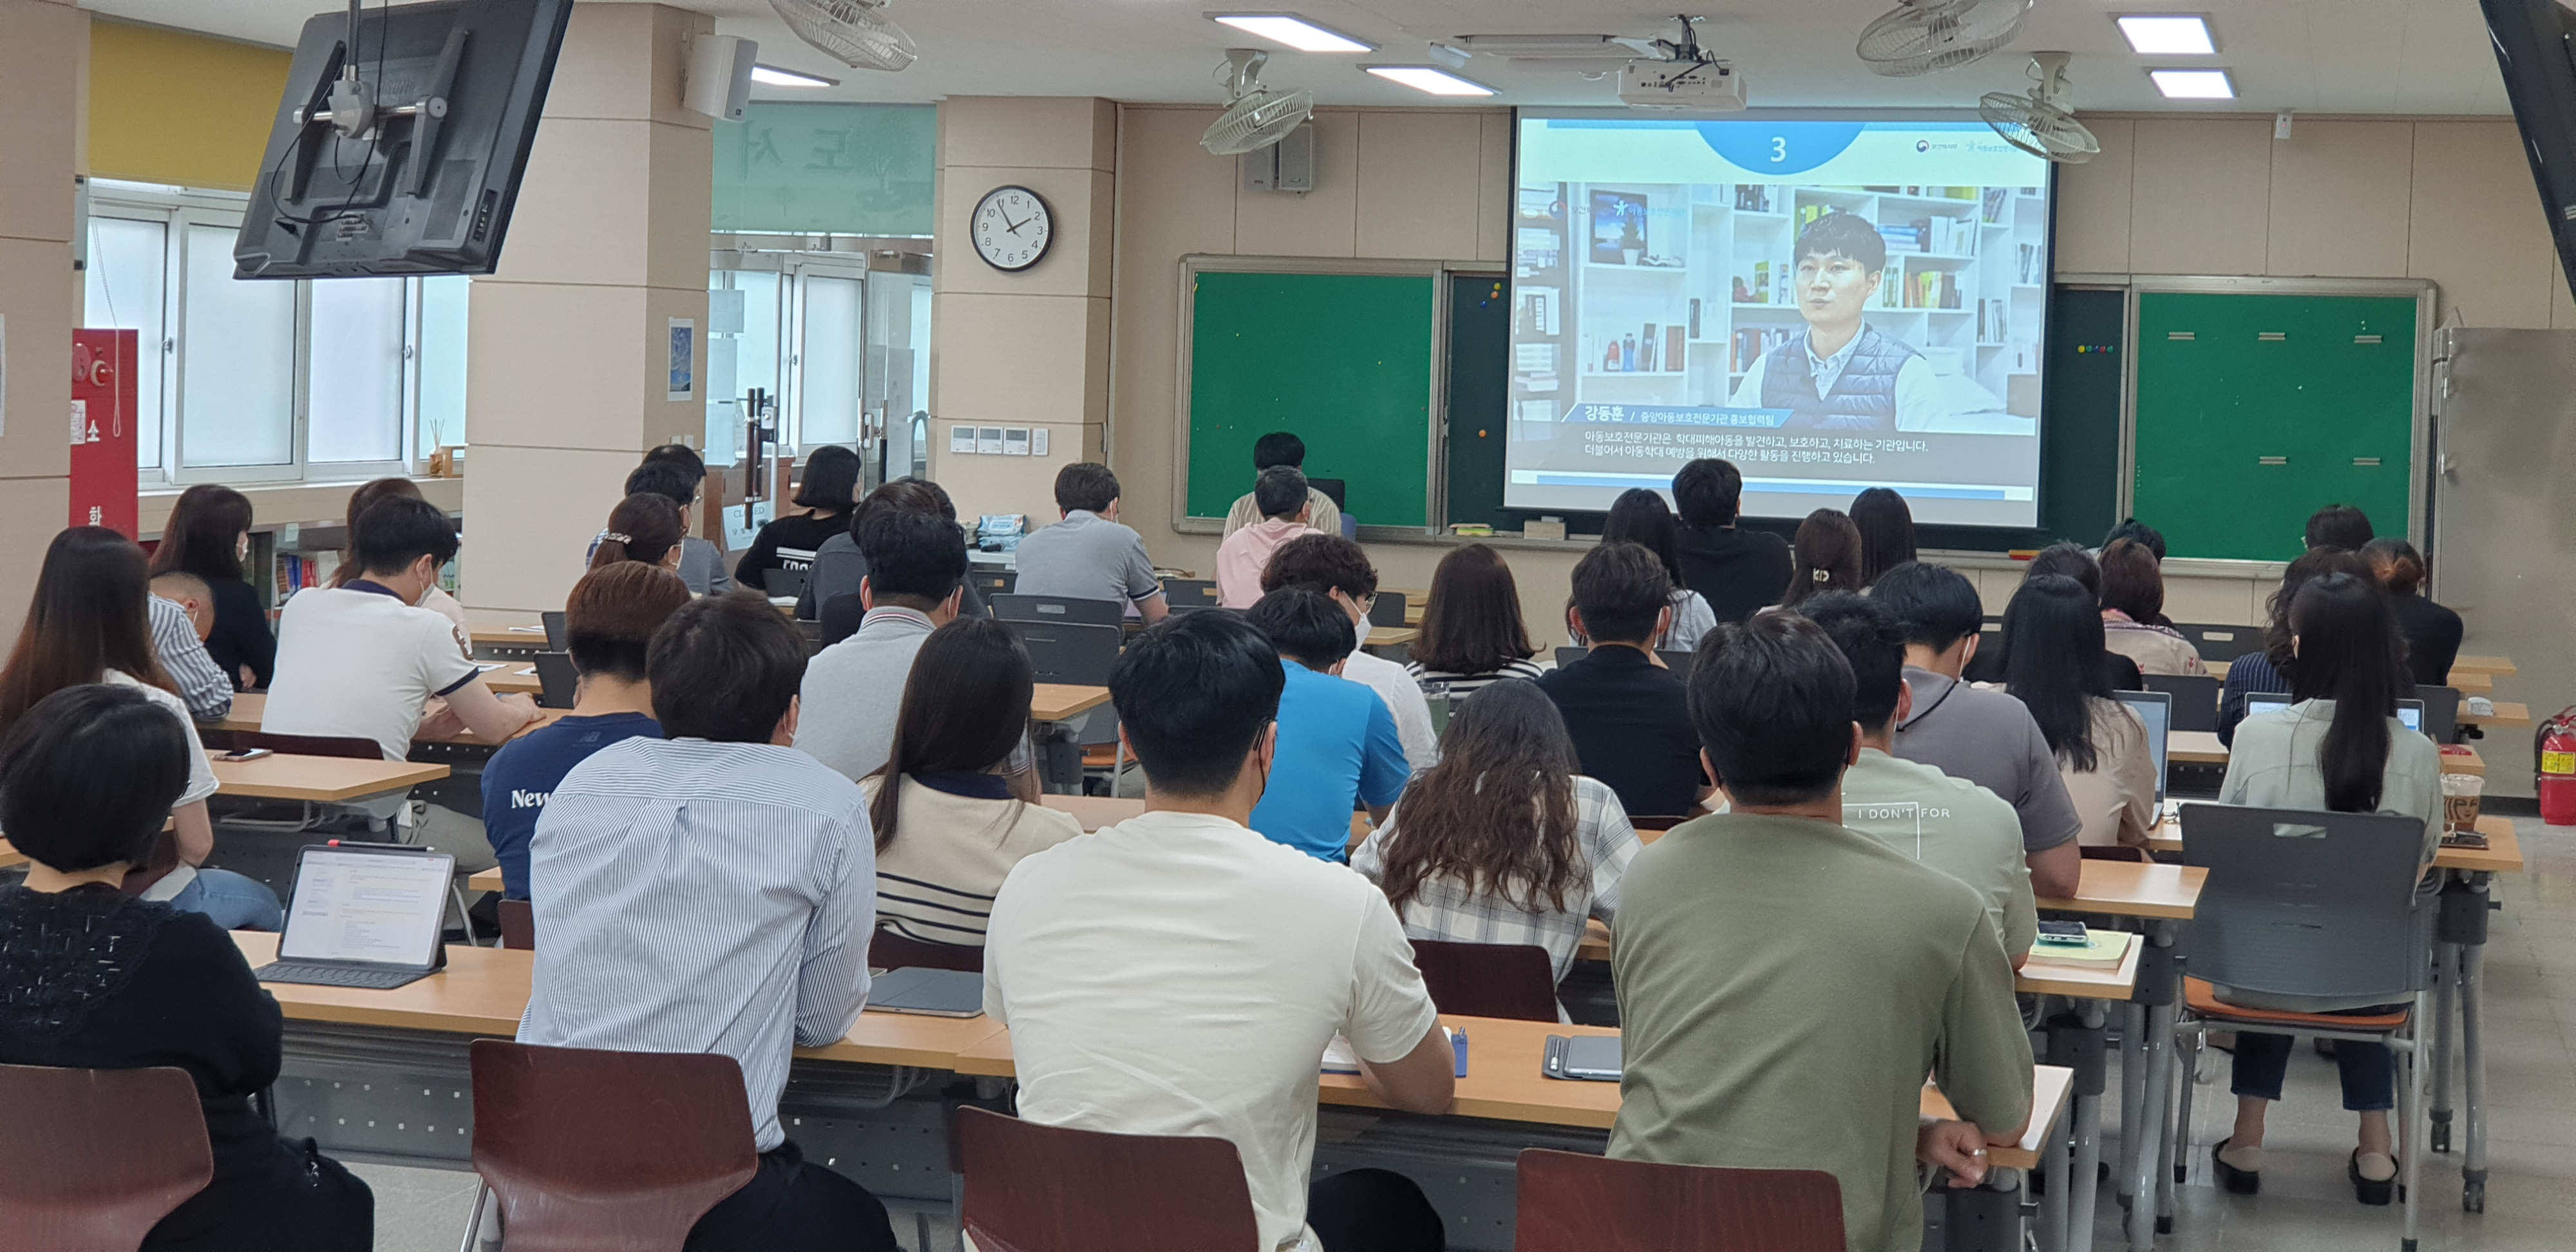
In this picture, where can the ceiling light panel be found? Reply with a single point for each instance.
(776, 77)
(1292, 31)
(2168, 34)
(2194, 84)
(1430, 78)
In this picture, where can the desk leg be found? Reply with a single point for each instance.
(2133, 1073)
(2473, 1164)
(2052, 1206)
(2446, 975)
(2084, 1188)
(1059, 751)
(2157, 989)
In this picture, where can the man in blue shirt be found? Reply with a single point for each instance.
(1338, 749)
(609, 618)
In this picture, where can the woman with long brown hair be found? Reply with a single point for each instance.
(87, 624)
(208, 535)
(1505, 840)
(1472, 632)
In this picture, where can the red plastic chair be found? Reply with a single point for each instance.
(1032, 1188)
(92, 1159)
(1570, 1202)
(593, 1151)
(888, 950)
(1515, 980)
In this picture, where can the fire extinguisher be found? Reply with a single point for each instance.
(2556, 742)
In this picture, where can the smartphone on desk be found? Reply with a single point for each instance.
(2072, 934)
(244, 754)
(1582, 1058)
(2464, 839)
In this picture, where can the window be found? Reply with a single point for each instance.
(268, 381)
(829, 357)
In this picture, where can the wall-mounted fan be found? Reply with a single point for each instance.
(2039, 122)
(1921, 36)
(1255, 116)
(856, 31)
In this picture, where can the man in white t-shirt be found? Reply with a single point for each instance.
(1333, 566)
(363, 661)
(1177, 974)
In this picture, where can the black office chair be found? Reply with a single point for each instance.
(1677, 661)
(991, 583)
(788, 583)
(1079, 654)
(558, 637)
(2221, 643)
(2195, 699)
(1059, 609)
(1387, 610)
(841, 617)
(1189, 595)
(556, 680)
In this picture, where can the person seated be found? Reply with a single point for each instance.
(86, 624)
(2133, 601)
(646, 528)
(609, 620)
(2341, 749)
(1246, 553)
(964, 810)
(1471, 632)
(1825, 557)
(1337, 747)
(1992, 660)
(713, 891)
(436, 600)
(1981, 735)
(363, 661)
(676, 473)
(208, 535)
(1762, 1028)
(1624, 710)
(2101, 747)
(1737, 571)
(838, 564)
(2272, 669)
(1214, 965)
(1088, 555)
(1886, 529)
(1504, 841)
(2432, 632)
(1276, 449)
(916, 578)
(826, 490)
(2339, 526)
(1950, 824)
(92, 977)
(1639, 516)
(183, 614)
(1339, 570)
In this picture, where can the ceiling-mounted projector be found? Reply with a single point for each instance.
(1685, 77)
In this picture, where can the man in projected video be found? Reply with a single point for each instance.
(1840, 373)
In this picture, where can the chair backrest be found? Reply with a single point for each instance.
(841, 617)
(2441, 712)
(1080, 655)
(518, 925)
(558, 636)
(989, 583)
(1184, 594)
(784, 582)
(1059, 610)
(1677, 660)
(2307, 903)
(1515, 980)
(594, 1151)
(1575, 1202)
(1033, 1188)
(2221, 643)
(349, 746)
(557, 680)
(92, 1159)
(1387, 609)
(888, 950)
(2195, 699)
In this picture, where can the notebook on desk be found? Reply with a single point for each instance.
(930, 992)
(363, 917)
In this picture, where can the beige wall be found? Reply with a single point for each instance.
(44, 48)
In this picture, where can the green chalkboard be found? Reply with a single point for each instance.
(2254, 410)
(1344, 360)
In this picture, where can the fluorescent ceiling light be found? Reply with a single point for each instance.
(1430, 78)
(776, 77)
(2194, 84)
(2167, 34)
(1292, 31)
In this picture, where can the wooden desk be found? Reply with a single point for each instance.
(2130, 889)
(2038, 977)
(504, 629)
(320, 779)
(250, 706)
(1390, 636)
(513, 678)
(2502, 855)
(1057, 702)
(10, 857)
(2471, 684)
(1095, 812)
(488, 880)
(2507, 713)
(2494, 666)
(2460, 758)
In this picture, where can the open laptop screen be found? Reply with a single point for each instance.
(2410, 713)
(2155, 708)
(383, 907)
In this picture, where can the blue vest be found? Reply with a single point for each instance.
(1863, 398)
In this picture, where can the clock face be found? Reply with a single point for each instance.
(1012, 228)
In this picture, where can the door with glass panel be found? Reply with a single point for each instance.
(830, 358)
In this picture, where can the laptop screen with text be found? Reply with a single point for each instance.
(381, 907)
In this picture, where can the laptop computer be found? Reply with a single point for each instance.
(2410, 713)
(363, 916)
(2155, 708)
(930, 992)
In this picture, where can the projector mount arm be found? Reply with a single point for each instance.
(354, 113)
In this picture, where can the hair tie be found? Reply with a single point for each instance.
(614, 537)
(1820, 575)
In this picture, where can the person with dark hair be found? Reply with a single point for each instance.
(2063, 559)
(2340, 748)
(1965, 731)
(364, 660)
(208, 535)
(1214, 964)
(1950, 824)
(1840, 373)
(1505, 840)
(676, 473)
(437, 601)
(86, 625)
(1088, 555)
(1245, 554)
(1886, 529)
(2339, 526)
(1337, 744)
(712, 891)
(2273, 668)
(609, 619)
(2131, 528)
(2432, 632)
(2102, 752)
(1279, 449)
(182, 609)
(827, 490)
(1778, 970)
(1638, 516)
(1737, 571)
(916, 579)
(1472, 632)
(1827, 557)
(643, 527)
(2133, 610)
(1625, 711)
(95, 978)
(1340, 571)
(839, 566)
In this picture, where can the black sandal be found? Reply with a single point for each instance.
(2372, 1190)
(2244, 1181)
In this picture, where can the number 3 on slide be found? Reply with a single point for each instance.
(1779, 148)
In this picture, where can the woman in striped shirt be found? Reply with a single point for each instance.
(1471, 630)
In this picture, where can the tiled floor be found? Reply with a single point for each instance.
(2306, 1205)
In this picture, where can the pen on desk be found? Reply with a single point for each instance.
(1458, 1044)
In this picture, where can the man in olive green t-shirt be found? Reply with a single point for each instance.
(1787, 983)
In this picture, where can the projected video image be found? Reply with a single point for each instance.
(1828, 304)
